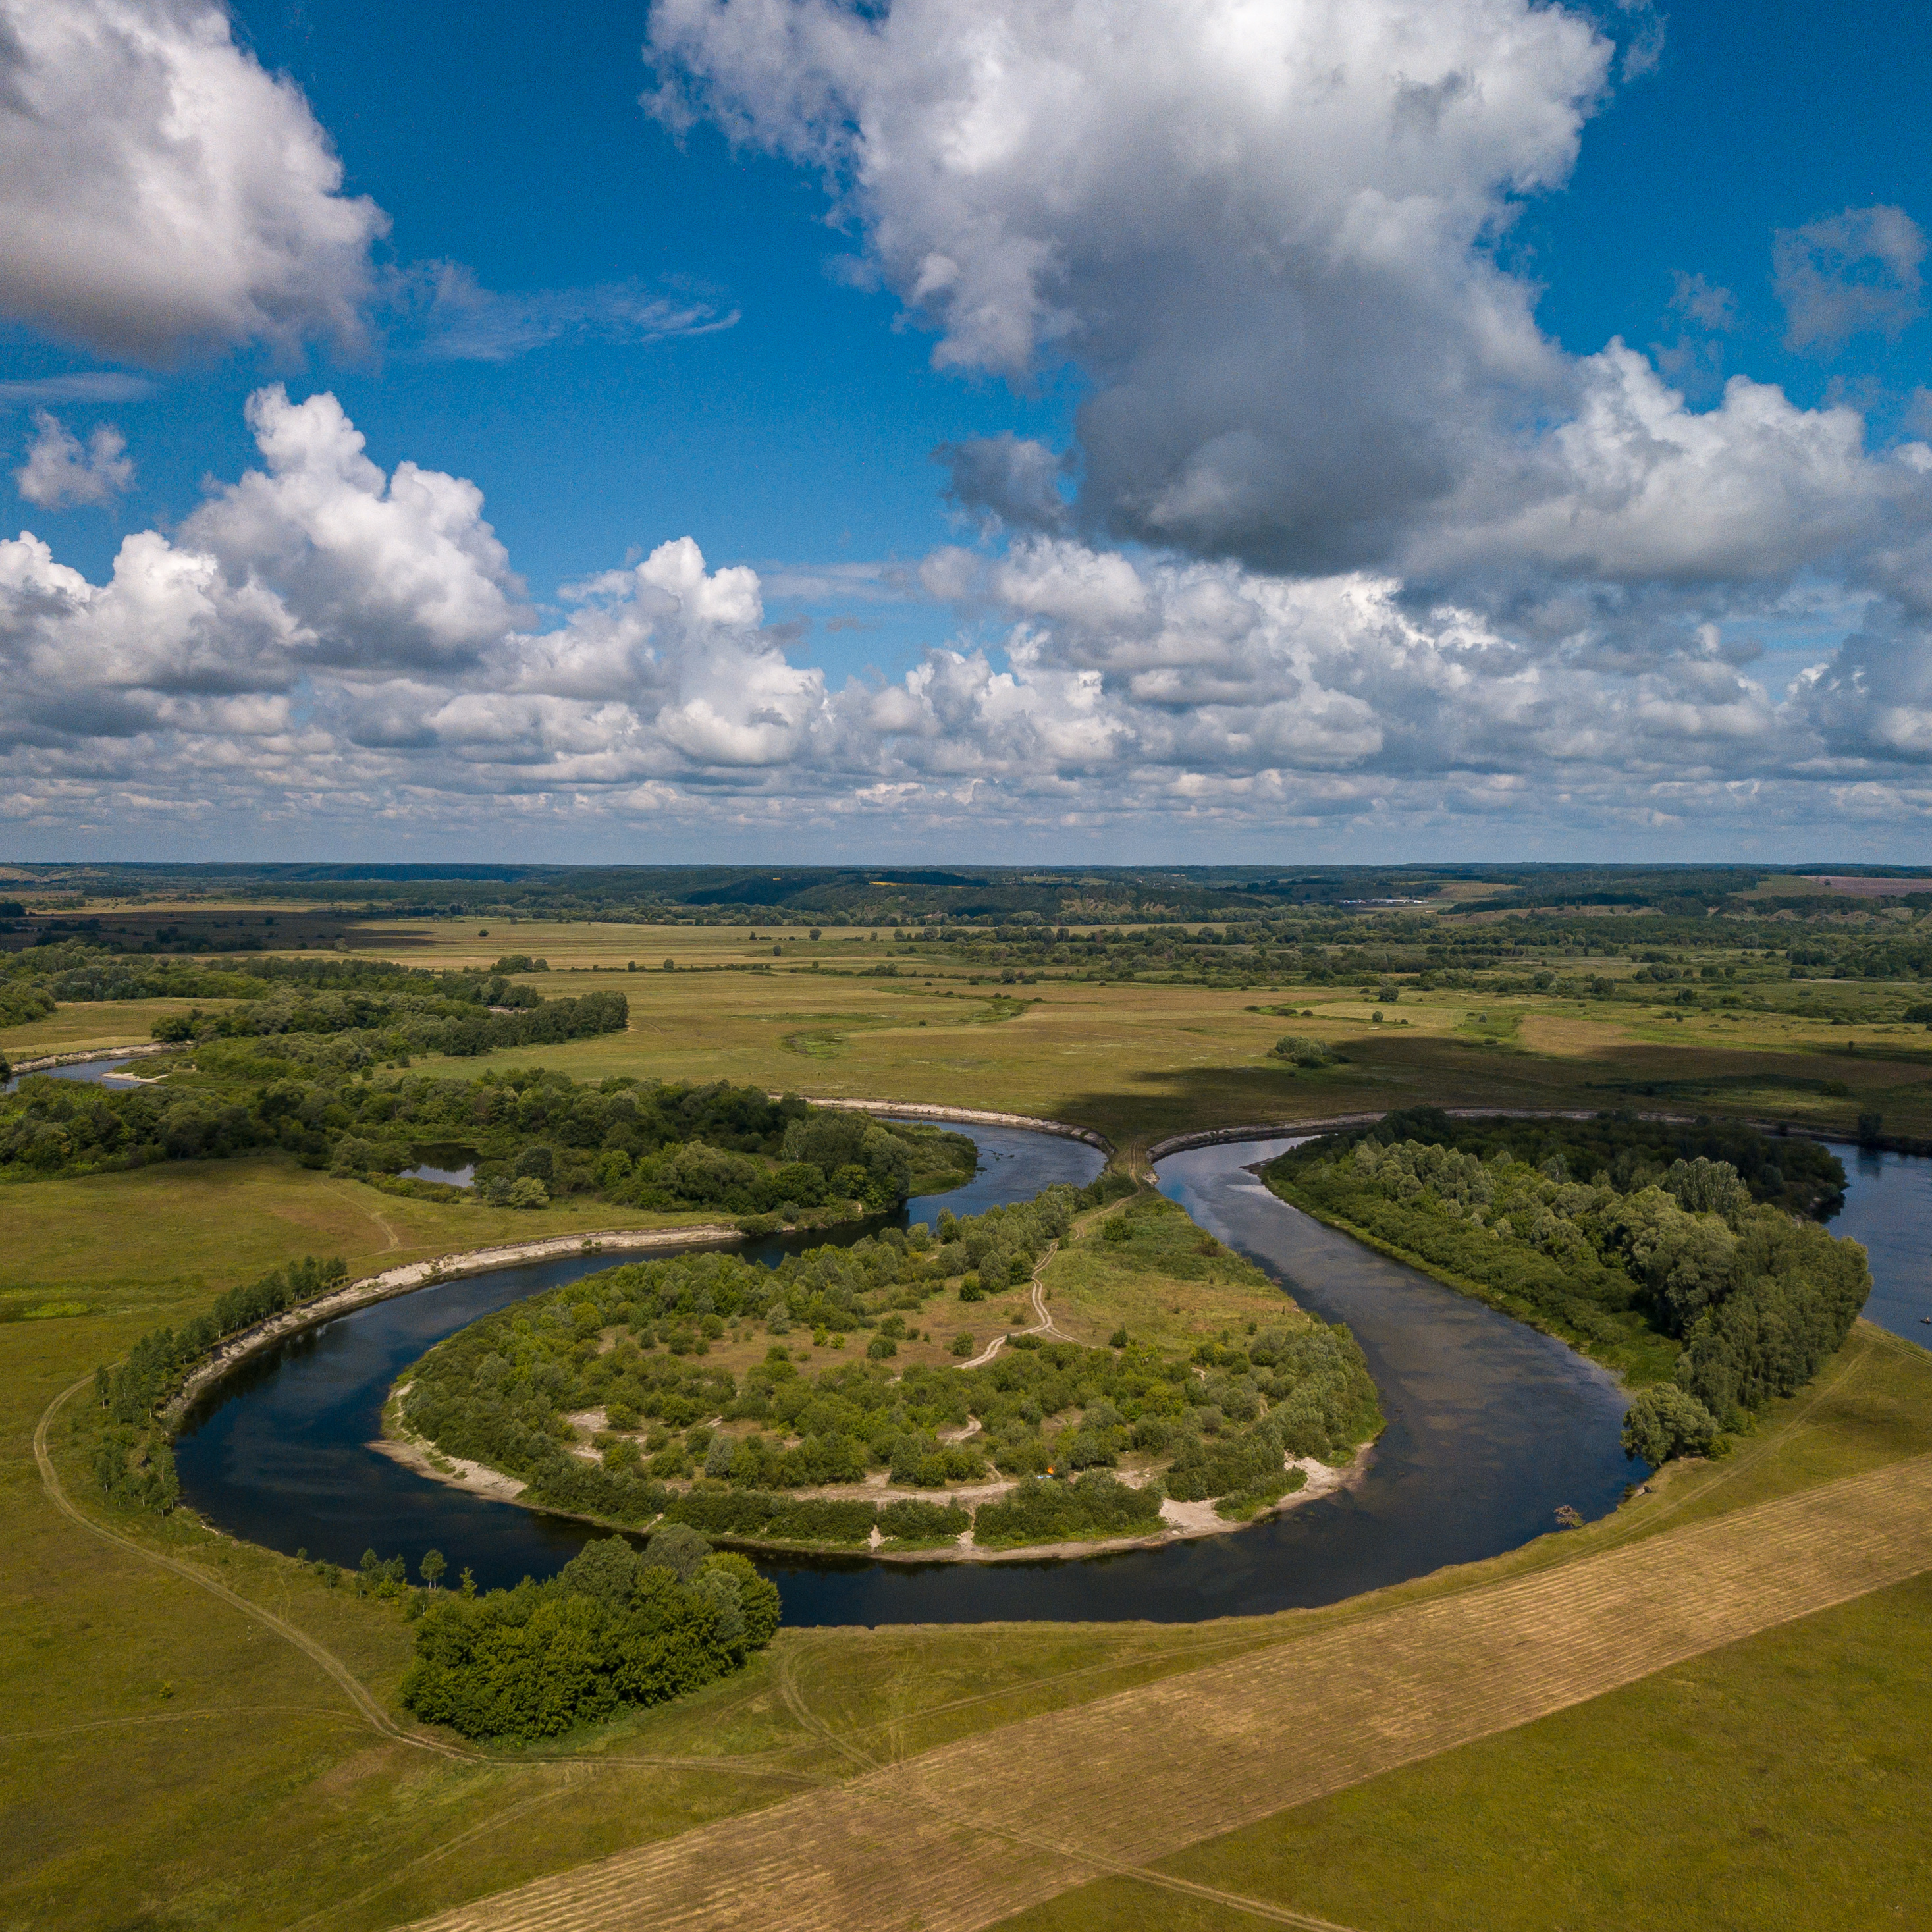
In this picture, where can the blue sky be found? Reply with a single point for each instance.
(648, 333)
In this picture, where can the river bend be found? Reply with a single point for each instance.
(1491, 1426)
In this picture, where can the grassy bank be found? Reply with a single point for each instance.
(204, 1774)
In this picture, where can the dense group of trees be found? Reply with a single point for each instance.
(532, 1135)
(1579, 1225)
(634, 1343)
(615, 1628)
(85, 969)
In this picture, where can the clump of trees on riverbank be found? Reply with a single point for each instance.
(532, 1134)
(616, 1627)
(1621, 1236)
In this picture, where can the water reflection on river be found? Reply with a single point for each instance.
(1889, 1207)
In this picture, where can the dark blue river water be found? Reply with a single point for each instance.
(1491, 1426)
(1888, 1207)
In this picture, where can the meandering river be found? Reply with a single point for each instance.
(1491, 1426)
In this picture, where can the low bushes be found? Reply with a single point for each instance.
(1094, 1504)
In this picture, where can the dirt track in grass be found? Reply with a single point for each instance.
(965, 1835)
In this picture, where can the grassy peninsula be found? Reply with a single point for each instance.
(697, 1390)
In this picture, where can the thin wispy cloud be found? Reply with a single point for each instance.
(866, 583)
(91, 386)
(1848, 274)
(461, 321)
(1708, 306)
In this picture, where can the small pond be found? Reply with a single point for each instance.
(452, 1166)
(108, 1072)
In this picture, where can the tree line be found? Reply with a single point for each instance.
(532, 1135)
(134, 1464)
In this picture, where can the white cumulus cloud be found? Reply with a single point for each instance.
(160, 192)
(60, 470)
(325, 645)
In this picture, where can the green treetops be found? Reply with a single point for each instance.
(1746, 1300)
(615, 1628)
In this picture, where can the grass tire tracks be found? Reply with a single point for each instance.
(1044, 1326)
(318, 1654)
(363, 1701)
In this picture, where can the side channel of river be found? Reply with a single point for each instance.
(1491, 1426)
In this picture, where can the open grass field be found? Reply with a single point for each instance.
(1779, 1780)
(209, 1774)
(93, 1026)
(942, 1839)
(158, 1242)
(168, 1763)
(1141, 1059)
(1173, 1287)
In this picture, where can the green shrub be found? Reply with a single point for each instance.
(1097, 1505)
(1666, 1421)
(1298, 1049)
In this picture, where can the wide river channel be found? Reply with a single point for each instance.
(1491, 1426)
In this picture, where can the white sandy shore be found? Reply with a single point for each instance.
(442, 1268)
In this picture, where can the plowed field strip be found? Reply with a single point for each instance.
(971, 1832)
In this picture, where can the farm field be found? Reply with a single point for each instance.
(1713, 1823)
(947, 1837)
(1142, 1059)
(170, 1761)
(299, 1809)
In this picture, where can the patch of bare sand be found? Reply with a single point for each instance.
(457, 1471)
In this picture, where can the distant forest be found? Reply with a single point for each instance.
(848, 895)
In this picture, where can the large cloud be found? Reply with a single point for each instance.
(1260, 230)
(325, 647)
(400, 569)
(1265, 236)
(160, 192)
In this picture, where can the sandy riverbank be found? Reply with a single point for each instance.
(1180, 1521)
(413, 1275)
